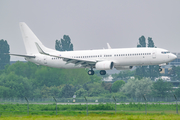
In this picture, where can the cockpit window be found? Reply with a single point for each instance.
(165, 52)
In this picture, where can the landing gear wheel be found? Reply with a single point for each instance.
(90, 72)
(102, 72)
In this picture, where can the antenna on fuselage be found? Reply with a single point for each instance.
(109, 47)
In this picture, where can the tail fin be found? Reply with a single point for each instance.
(30, 39)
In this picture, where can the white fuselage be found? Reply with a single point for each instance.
(120, 57)
(104, 59)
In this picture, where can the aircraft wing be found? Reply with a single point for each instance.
(84, 63)
(20, 55)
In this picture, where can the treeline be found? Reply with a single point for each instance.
(30, 80)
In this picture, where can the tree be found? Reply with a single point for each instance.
(95, 89)
(75, 76)
(95, 78)
(123, 75)
(117, 85)
(81, 92)
(174, 73)
(150, 42)
(142, 42)
(45, 92)
(137, 88)
(177, 92)
(65, 44)
(68, 91)
(4, 58)
(27, 69)
(12, 85)
(153, 71)
(5, 92)
(107, 86)
(161, 88)
(37, 93)
(48, 77)
(141, 71)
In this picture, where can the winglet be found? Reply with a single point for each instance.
(40, 50)
(109, 47)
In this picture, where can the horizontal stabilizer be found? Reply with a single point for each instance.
(20, 55)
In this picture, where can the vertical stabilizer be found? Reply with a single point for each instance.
(30, 39)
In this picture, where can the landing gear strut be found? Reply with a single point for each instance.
(160, 69)
(102, 72)
(91, 72)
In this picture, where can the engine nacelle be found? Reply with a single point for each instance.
(104, 65)
(124, 67)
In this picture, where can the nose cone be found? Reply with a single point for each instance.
(172, 57)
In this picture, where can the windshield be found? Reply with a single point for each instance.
(165, 52)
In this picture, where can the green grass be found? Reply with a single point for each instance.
(71, 110)
(92, 116)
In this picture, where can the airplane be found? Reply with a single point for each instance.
(100, 59)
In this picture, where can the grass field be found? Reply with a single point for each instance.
(97, 117)
(131, 111)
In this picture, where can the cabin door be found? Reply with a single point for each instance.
(154, 54)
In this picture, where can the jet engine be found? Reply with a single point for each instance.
(124, 67)
(104, 65)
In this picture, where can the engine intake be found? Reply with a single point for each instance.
(104, 65)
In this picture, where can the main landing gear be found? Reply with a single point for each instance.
(160, 69)
(102, 72)
(91, 72)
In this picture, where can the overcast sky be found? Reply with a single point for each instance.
(92, 23)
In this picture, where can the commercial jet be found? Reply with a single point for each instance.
(102, 59)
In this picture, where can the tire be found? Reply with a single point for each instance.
(102, 72)
(90, 72)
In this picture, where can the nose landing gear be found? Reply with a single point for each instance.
(160, 69)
